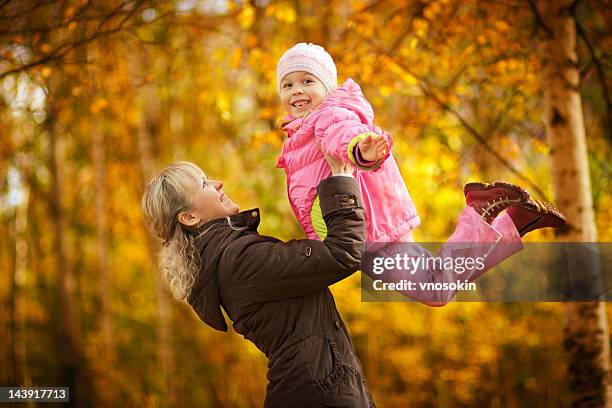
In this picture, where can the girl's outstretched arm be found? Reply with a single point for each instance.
(341, 132)
(371, 149)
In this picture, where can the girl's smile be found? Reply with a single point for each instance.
(301, 92)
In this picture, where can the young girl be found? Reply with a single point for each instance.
(322, 117)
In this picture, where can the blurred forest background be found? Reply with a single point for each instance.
(95, 96)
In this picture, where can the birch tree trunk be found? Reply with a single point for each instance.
(586, 330)
(101, 188)
(7, 298)
(9, 248)
(16, 371)
(106, 393)
(149, 107)
(72, 359)
(20, 369)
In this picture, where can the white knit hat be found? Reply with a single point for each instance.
(309, 58)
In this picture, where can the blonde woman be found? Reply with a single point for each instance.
(275, 293)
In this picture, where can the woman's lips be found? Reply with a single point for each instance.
(225, 200)
(227, 203)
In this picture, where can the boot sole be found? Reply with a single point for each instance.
(553, 219)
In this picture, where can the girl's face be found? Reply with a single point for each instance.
(301, 92)
(209, 202)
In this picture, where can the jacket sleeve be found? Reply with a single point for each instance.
(266, 270)
(338, 130)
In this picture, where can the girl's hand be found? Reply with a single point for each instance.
(373, 148)
(336, 165)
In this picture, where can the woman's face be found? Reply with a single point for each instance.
(301, 92)
(209, 202)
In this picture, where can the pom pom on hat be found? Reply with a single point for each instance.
(309, 58)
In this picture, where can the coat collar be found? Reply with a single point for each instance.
(291, 124)
(248, 219)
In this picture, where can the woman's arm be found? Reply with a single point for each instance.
(269, 270)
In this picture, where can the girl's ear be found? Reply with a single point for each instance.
(187, 219)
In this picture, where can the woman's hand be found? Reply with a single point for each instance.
(373, 148)
(336, 165)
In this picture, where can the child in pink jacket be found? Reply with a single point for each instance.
(338, 120)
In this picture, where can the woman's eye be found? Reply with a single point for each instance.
(204, 183)
(286, 86)
(307, 81)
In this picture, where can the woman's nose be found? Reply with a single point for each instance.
(218, 184)
(297, 90)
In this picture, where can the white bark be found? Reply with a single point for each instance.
(586, 329)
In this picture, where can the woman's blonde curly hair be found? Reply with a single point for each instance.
(165, 197)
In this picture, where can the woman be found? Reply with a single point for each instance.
(276, 293)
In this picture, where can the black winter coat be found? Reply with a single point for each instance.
(276, 294)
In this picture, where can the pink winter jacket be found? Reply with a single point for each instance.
(338, 124)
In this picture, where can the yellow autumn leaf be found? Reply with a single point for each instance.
(236, 58)
(285, 13)
(246, 18)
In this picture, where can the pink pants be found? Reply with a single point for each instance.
(473, 238)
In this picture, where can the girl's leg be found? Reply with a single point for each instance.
(474, 239)
(509, 244)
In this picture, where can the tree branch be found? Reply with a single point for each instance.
(4, 3)
(22, 13)
(60, 51)
(538, 19)
(445, 107)
(601, 76)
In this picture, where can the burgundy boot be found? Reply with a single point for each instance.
(535, 214)
(490, 199)
(528, 214)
